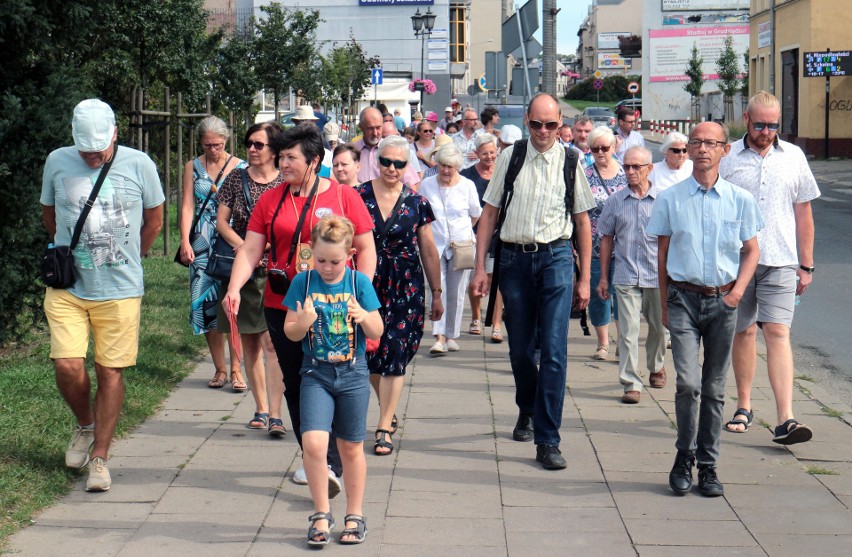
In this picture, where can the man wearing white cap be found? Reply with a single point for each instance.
(509, 134)
(447, 119)
(126, 217)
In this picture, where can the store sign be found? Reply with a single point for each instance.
(613, 61)
(697, 5)
(672, 49)
(609, 41)
(396, 2)
(827, 64)
(764, 34)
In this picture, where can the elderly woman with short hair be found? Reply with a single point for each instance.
(455, 204)
(676, 166)
(605, 177)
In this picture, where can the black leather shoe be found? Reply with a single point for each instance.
(680, 478)
(524, 428)
(550, 457)
(708, 484)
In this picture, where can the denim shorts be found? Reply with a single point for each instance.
(335, 396)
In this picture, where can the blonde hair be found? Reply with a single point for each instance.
(765, 100)
(334, 229)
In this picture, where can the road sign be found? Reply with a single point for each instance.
(533, 47)
(511, 39)
(495, 71)
(598, 84)
(598, 74)
(827, 64)
(632, 87)
(376, 76)
(481, 82)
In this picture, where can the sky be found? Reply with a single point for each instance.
(568, 21)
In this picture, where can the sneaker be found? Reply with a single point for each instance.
(99, 479)
(438, 348)
(333, 484)
(77, 455)
(680, 478)
(550, 457)
(300, 477)
(708, 483)
(601, 353)
(452, 345)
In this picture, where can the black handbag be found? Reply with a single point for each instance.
(221, 260)
(194, 234)
(277, 278)
(57, 263)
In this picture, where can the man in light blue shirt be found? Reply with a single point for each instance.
(707, 253)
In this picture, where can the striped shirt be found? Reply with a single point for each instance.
(625, 216)
(537, 210)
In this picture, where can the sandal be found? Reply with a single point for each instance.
(360, 531)
(382, 444)
(475, 327)
(496, 335)
(237, 382)
(276, 428)
(220, 379)
(325, 535)
(602, 352)
(792, 432)
(260, 421)
(735, 422)
(394, 425)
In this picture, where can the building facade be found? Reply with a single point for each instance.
(598, 48)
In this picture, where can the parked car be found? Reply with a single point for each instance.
(601, 116)
(512, 114)
(635, 104)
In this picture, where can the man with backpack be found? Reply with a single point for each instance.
(537, 201)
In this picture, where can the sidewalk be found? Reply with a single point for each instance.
(194, 481)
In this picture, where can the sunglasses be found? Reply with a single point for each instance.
(427, 131)
(677, 151)
(759, 126)
(551, 126)
(636, 167)
(601, 149)
(258, 145)
(399, 165)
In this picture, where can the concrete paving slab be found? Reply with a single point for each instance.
(428, 504)
(800, 521)
(393, 550)
(556, 494)
(715, 533)
(49, 541)
(567, 520)
(756, 496)
(97, 515)
(439, 532)
(795, 545)
(215, 500)
(591, 544)
(697, 551)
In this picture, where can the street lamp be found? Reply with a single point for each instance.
(423, 25)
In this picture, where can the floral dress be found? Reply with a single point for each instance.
(601, 190)
(399, 280)
(204, 289)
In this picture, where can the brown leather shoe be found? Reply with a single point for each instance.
(630, 397)
(657, 379)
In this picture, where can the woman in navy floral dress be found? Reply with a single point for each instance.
(402, 222)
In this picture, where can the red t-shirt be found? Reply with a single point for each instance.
(337, 199)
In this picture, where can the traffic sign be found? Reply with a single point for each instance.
(827, 64)
(481, 82)
(598, 74)
(376, 76)
(598, 84)
(632, 87)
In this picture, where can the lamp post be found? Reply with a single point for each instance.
(423, 25)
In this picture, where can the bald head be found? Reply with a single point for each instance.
(389, 129)
(370, 122)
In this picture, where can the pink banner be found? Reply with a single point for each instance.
(671, 49)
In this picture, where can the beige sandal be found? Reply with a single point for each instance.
(602, 352)
(237, 382)
(220, 379)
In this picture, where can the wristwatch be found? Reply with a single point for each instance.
(807, 269)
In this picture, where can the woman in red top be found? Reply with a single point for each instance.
(274, 220)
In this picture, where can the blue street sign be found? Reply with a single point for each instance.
(376, 76)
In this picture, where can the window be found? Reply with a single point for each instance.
(458, 35)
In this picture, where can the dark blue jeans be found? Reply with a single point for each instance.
(696, 319)
(537, 291)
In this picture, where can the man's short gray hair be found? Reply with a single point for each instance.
(485, 139)
(449, 155)
(671, 139)
(643, 152)
(601, 132)
(394, 142)
(213, 124)
(582, 120)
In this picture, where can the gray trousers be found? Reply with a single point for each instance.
(696, 319)
(634, 301)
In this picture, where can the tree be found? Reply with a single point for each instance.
(744, 80)
(729, 70)
(695, 73)
(284, 43)
(347, 72)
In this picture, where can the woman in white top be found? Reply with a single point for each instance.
(455, 204)
(676, 166)
(424, 143)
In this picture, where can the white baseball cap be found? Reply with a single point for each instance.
(448, 109)
(331, 131)
(510, 133)
(93, 126)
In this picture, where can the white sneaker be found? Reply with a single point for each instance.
(438, 348)
(300, 477)
(452, 345)
(333, 483)
(77, 455)
(99, 478)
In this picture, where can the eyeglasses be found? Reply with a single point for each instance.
(471, 119)
(213, 146)
(709, 143)
(759, 126)
(600, 149)
(677, 151)
(399, 165)
(427, 131)
(636, 167)
(551, 126)
(258, 145)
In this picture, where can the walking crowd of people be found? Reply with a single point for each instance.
(318, 262)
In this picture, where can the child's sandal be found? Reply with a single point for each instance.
(324, 535)
(359, 532)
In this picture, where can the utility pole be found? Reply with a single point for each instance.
(548, 57)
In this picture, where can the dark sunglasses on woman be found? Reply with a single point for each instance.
(399, 165)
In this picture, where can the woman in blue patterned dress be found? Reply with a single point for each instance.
(198, 181)
(403, 234)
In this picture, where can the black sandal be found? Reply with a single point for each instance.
(382, 444)
(314, 532)
(734, 421)
(792, 432)
(360, 531)
(394, 425)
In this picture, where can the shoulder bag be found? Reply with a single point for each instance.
(194, 234)
(57, 264)
(464, 252)
(221, 260)
(277, 278)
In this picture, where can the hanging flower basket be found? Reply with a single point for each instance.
(425, 85)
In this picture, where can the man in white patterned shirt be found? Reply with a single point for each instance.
(622, 224)
(536, 270)
(777, 174)
(465, 139)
